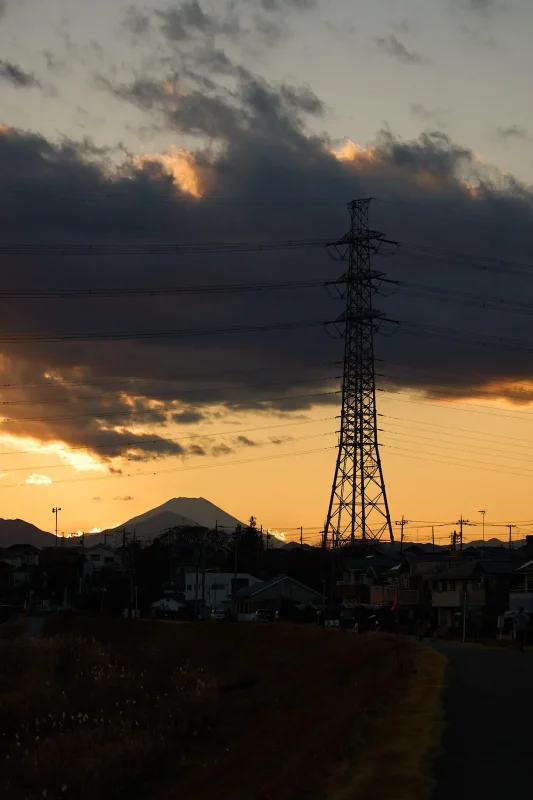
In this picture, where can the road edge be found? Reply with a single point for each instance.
(399, 760)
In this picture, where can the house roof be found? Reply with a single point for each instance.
(100, 547)
(257, 588)
(364, 562)
(527, 567)
(493, 567)
(23, 548)
(378, 570)
(469, 568)
(420, 555)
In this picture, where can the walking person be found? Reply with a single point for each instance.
(521, 624)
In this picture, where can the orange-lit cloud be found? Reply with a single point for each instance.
(80, 460)
(355, 153)
(38, 480)
(179, 165)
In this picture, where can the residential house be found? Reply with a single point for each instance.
(477, 589)
(360, 574)
(408, 582)
(23, 562)
(521, 595)
(276, 593)
(216, 587)
(101, 557)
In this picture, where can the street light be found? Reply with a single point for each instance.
(483, 518)
(56, 512)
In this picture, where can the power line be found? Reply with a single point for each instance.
(174, 377)
(428, 426)
(472, 448)
(155, 291)
(181, 469)
(133, 458)
(125, 414)
(162, 440)
(469, 465)
(450, 407)
(179, 392)
(174, 248)
(173, 334)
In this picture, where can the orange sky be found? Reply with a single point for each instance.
(290, 491)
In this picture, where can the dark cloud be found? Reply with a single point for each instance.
(3, 6)
(16, 76)
(268, 179)
(280, 5)
(222, 450)
(97, 498)
(433, 115)
(512, 132)
(482, 7)
(55, 65)
(125, 499)
(245, 441)
(394, 47)
(244, 22)
(137, 21)
(188, 417)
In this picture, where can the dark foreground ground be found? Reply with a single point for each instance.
(160, 711)
(489, 715)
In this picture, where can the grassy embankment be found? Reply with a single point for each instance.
(158, 710)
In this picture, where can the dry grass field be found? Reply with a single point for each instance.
(100, 707)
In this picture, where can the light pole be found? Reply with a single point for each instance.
(483, 518)
(56, 512)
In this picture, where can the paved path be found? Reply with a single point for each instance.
(489, 713)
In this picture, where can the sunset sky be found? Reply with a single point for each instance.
(232, 122)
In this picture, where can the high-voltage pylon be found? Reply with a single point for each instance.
(358, 508)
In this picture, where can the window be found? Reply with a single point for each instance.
(189, 587)
(217, 586)
(95, 557)
(109, 559)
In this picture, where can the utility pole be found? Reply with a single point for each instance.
(203, 579)
(236, 537)
(433, 539)
(511, 536)
(461, 523)
(454, 541)
(56, 512)
(402, 523)
(358, 507)
(483, 523)
(301, 537)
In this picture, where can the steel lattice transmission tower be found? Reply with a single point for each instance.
(358, 508)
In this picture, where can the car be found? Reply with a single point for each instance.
(218, 614)
(266, 615)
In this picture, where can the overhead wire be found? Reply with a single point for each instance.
(155, 291)
(135, 458)
(126, 414)
(156, 248)
(124, 476)
(160, 440)
(176, 393)
(59, 382)
(17, 338)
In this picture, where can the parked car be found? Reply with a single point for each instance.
(266, 615)
(218, 614)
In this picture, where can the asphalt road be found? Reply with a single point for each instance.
(489, 714)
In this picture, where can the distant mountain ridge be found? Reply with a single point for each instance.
(177, 512)
(18, 531)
